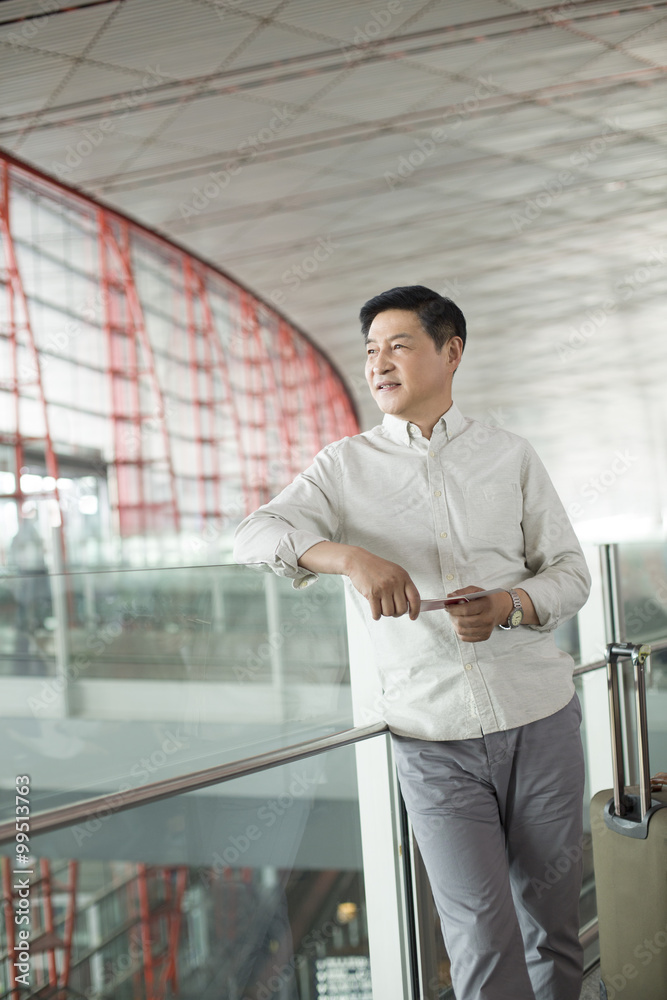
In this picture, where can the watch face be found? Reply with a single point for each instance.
(516, 618)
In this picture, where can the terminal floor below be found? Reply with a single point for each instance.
(591, 987)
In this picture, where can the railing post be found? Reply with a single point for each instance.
(272, 598)
(58, 581)
(616, 632)
(384, 850)
(592, 641)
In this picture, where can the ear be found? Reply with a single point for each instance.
(454, 350)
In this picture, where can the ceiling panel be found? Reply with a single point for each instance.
(562, 281)
(167, 33)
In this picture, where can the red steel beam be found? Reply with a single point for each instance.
(8, 907)
(16, 293)
(124, 319)
(223, 368)
(47, 902)
(146, 940)
(70, 920)
(249, 374)
(67, 195)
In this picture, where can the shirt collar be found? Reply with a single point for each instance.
(404, 432)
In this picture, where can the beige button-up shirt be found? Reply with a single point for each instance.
(474, 505)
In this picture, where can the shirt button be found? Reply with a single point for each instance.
(302, 584)
(432, 454)
(443, 534)
(468, 666)
(437, 493)
(450, 576)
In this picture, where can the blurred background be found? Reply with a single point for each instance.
(197, 196)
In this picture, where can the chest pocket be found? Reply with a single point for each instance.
(493, 513)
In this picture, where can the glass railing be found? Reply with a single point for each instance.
(251, 888)
(641, 572)
(203, 623)
(112, 680)
(134, 684)
(641, 580)
(128, 883)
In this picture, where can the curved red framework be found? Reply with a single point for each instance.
(208, 401)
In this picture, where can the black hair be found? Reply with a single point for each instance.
(440, 317)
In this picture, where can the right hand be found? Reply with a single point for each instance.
(386, 586)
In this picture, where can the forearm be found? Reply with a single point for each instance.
(387, 587)
(557, 592)
(329, 557)
(302, 515)
(529, 612)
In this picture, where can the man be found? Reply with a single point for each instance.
(479, 700)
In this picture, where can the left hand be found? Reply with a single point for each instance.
(658, 780)
(474, 622)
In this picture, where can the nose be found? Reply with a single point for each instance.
(382, 362)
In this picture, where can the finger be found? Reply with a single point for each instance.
(376, 608)
(471, 610)
(414, 599)
(400, 603)
(475, 637)
(388, 608)
(472, 631)
(464, 631)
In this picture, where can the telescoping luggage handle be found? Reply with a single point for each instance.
(629, 814)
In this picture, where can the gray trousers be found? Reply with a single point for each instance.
(498, 821)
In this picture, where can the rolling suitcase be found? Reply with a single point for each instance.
(630, 858)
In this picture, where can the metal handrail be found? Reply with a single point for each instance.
(656, 647)
(113, 802)
(587, 668)
(7, 574)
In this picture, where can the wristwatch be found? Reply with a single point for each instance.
(516, 614)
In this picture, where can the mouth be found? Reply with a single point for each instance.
(387, 386)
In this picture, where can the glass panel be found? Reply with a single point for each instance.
(642, 573)
(567, 638)
(250, 889)
(116, 679)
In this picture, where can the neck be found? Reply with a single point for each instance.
(427, 423)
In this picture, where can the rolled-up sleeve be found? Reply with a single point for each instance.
(561, 581)
(304, 513)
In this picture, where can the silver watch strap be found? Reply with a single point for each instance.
(516, 601)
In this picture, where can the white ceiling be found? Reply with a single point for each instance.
(539, 206)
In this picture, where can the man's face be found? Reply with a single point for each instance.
(406, 374)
